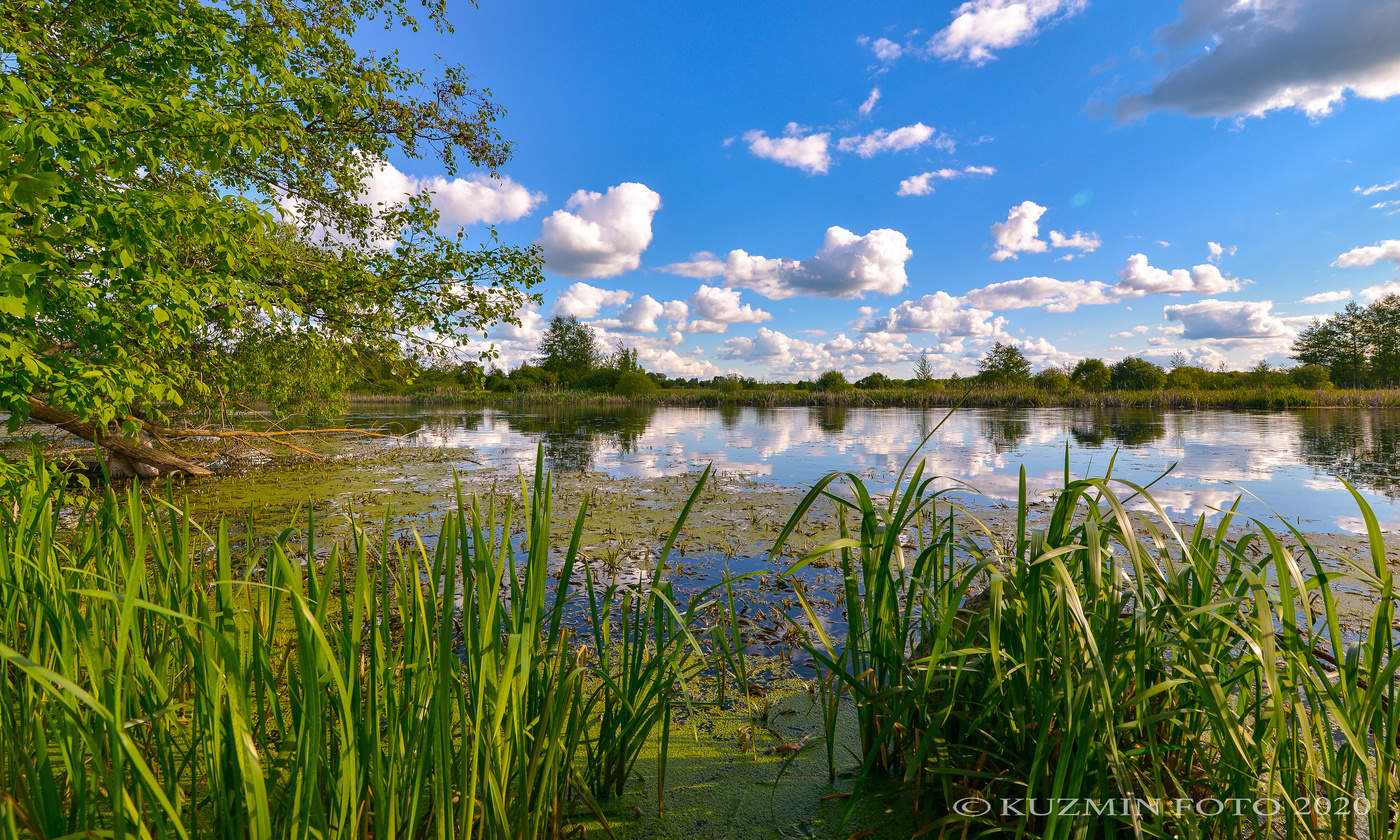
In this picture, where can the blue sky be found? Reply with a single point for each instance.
(779, 189)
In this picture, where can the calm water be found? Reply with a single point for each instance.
(1290, 460)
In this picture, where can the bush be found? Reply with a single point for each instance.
(833, 381)
(874, 381)
(1134, 374)
(1053, 380)
(1188, 378)
(601, 379)
(1310, 376)
(1090, 374)
(634, 384)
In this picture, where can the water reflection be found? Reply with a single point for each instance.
(1285, 458)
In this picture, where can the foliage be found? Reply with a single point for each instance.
(569, 350)
(1106, 656)
(1187, 377)
(831, 382)
(1135, 374)
(1359, 346)
(923, 371)
(634, 383)
(874, 381)
(183, 181)
(156, 680)
(1310, 376)
(1091, 375)
(1053, 380)
(1004, 364)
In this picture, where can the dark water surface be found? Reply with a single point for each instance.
(1289, 459)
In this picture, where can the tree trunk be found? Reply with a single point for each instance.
(127, 457)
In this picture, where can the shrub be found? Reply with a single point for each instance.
(1053, 380)
(1310, 376)
(1091, 375)
(1135, 374)
(832, 381)
(634, 383)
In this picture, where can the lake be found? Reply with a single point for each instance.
(1291, 460)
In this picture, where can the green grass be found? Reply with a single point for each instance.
(157, 680)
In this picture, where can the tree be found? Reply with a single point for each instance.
(832, 381)
(1090, 374)
(1135, 374)
(1005, 364)
(1309, 376)
(634, 383)
(1178, 360)
(1053, 380)
(874, 381)
(569, 350)
(923, 371)
(183, 185)
(1187, 377)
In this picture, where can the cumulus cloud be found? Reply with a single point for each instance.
(900, 139)
(1371, 294)
(702, 265)
(1045, 292)
(1020, 233)
(1217, 251)
(869, 104)
(1368, 255)
(798, 148)
(1327, 297)
(1239, 59)
(600, 234)
(922, 184)
(1227, 319)
(980, 28)
(584, 301)
(715, 308)
(459, 201)
(939, 313)
(1138, 277)
(845, 266)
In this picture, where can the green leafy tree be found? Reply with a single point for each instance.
(1135, 374)
(569, 350)
(874, 381)
(1091, 375)
(832, 381)
(1187, 377)
(1309, 376)
(634, 383)
(183, 181)
(1052, 380)
(1004, 364)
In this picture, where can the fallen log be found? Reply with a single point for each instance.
(128, 456)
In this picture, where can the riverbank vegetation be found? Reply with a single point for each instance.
(166, 679)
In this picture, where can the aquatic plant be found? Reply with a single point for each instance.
(1107, 655)
(156, 680)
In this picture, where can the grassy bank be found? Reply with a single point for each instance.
(492, 682)
(990, 396)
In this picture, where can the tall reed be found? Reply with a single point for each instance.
(1108, 656)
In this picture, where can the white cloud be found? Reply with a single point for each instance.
(1371, 294)
(702, 265)
(939, 313)
(459, 201)
(869, 104)
(1368, 255)
(715, 308)
(1327, 297)
(1243, 58)
(584, 301)
(921, 184)
(1046, 292)
(797, 148)
(1079, 241)
(600, 235)
(900, 139)
(1227, 319)
(883, 48)
(845, 266)
(1376, 188)
(1138, 278)
(1130, 333)
(981, 27)
(1020, 232)
(1217, 251)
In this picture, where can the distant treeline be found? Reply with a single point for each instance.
(1352, 358)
